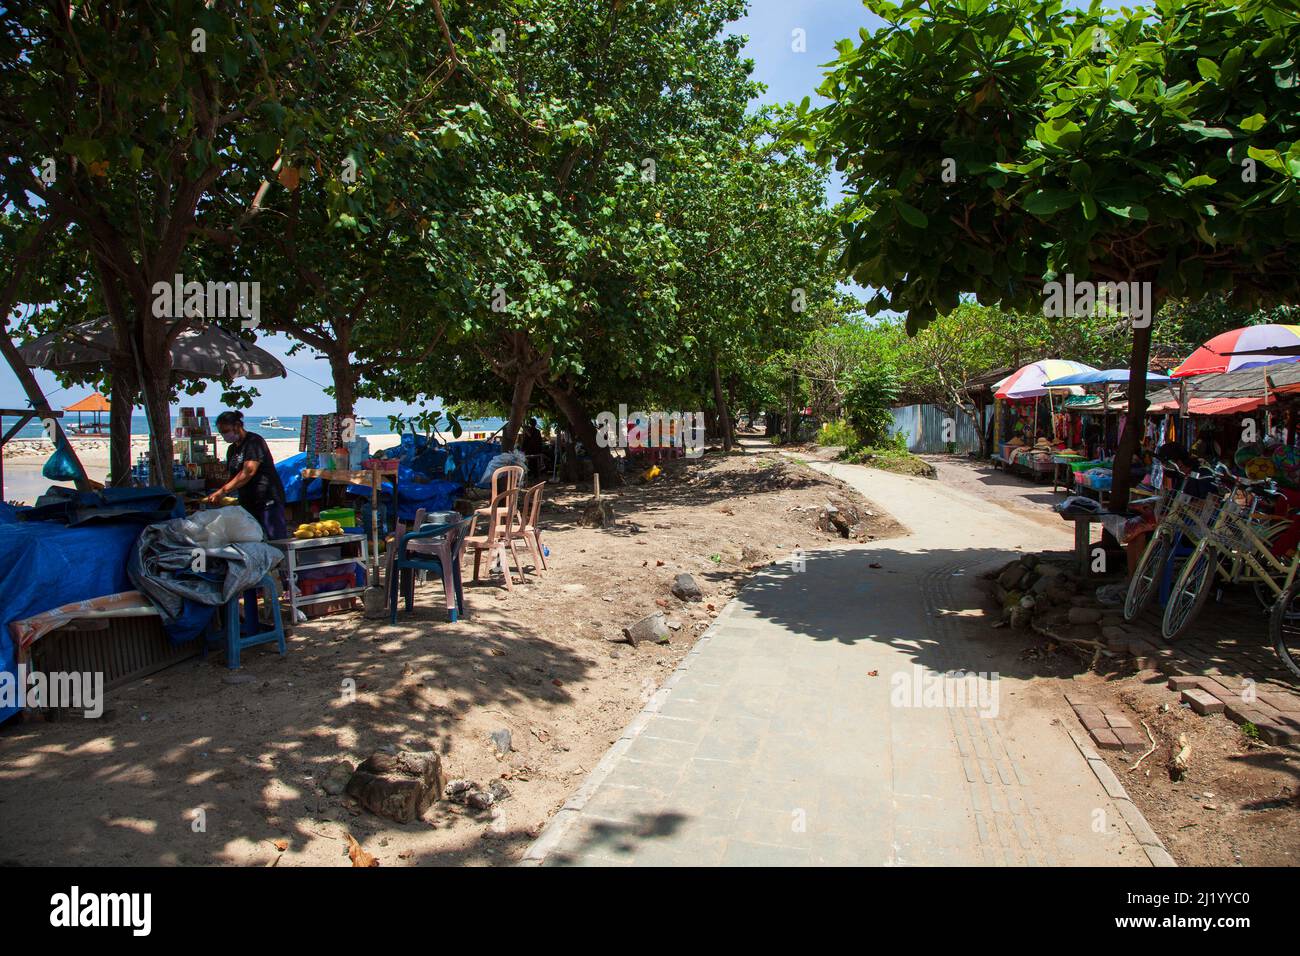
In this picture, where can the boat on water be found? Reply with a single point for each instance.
(363, 422)
(272, 423)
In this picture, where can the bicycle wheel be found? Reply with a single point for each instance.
(1146, 576)
(1284, 627)
(1190, 592)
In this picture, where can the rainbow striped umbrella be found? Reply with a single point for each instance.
(1230, 351)
(1029, 381)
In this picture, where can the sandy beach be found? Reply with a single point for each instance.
(24, 458)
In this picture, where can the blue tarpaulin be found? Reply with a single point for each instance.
(295, 489)
(430, 476)
(46, 564)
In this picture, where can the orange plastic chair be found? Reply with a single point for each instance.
(505, 478)
(500, 515)
(526, 526)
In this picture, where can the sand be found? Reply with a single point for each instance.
(255, 751)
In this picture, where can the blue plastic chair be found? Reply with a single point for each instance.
(443, 558)
(235, 641)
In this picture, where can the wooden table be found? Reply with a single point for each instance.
(1083, 523)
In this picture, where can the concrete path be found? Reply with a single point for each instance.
(811, 724)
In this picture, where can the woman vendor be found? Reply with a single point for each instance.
(252, 475)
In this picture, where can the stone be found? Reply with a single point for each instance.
(1011, 576)
(499, 790)
(685, 588)
(501, 740)
(399, 787)
(456, 790)
(336, 781)
(597, 513)
(652, 627)
(1084, 615)
(479, 799)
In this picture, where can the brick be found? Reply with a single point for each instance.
(1201, 702)
(1106, 739)
(1131, 739)
(1289, 720)
(1283, 703)
(1093, 721)
(1076, 699)
(1279, 735)
(1181, 682)
(1242, 713)
(1118, 720)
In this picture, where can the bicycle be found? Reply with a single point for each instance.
(1243, 538)
(1180, 517)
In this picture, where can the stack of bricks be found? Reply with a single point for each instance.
(1109, 728)
(1274, 712)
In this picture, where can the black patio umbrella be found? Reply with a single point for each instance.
(199, 351)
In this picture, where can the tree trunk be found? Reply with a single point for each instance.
(522, 392)
(1135, 420)
(345, 382)
(789, 411)
(584, 429)
(154, 374)
(121, 403)
(724, 417)
(38, 402)
(8, 299)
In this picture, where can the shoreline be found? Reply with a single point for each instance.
(23, 459)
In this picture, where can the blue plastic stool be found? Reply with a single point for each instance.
(236, 642)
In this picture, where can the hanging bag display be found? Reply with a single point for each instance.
(62, 466)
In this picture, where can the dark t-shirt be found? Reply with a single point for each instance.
(265, 486)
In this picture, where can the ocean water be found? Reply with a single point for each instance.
(140, 425)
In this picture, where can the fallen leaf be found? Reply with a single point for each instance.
(358, 856)
(873, 673)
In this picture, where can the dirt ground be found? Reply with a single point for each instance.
(254, 749)
(1237, 803)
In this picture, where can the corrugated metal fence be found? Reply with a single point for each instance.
(924, 426)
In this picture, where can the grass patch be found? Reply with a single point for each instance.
(898, 460)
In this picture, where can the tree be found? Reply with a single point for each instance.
(146, 126)
(994, 149)
(872, 393)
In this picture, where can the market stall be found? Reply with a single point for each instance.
(1026, 417)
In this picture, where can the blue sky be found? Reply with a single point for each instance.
(788, 75)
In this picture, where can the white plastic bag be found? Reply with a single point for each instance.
(219, 527)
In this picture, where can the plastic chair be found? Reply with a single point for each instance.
(526, 527)
(390, 545)
(434, 547)
(235, 641)
(499, 537)
(505, 478)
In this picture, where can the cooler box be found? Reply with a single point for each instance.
(347, 517)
